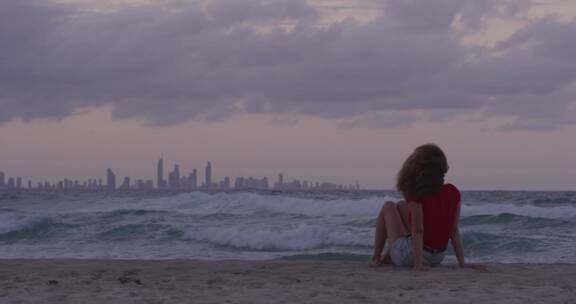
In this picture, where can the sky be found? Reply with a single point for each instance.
(322, 90)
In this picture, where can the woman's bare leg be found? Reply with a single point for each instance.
(404, 211)
(390, 226)
(380, 238)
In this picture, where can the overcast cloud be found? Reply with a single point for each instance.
(171, 62)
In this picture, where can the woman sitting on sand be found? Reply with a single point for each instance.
(418, 231)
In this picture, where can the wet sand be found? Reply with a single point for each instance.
(188, 281)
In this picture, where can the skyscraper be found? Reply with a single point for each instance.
(111, 180)
(280, 181)
(239, 183)
(160, 174)
(149, 184)
(125, 184)
(193, 179)
(176, 177)
(11, 183)
(208, 176)
(184, 183)
(2, 180)
(226, 185)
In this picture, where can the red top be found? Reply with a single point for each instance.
(439, 214)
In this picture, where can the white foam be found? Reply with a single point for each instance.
(12, 222)
(200, 203)
(250, 203)
(273, 225)
(293, 238)
(240, 203)
(556, 212)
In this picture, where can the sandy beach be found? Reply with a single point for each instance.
(186, 281)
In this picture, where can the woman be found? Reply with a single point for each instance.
(418, 231)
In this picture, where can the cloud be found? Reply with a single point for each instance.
(170, 64)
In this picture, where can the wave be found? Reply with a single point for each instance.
(516, 221)
(10, 221)
(121, 213)
(251, 203)
(244, 225)
(200, 203)
(481, 244)
(295, 238)
(258, 204)
(132, 232)
(299, 228)
(204, 204)
(554, 212)
(34, 229)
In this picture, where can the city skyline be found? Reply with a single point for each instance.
(175, 182)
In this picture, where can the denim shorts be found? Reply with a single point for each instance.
(402, 255)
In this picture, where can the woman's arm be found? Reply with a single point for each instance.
(417, 231)
(457, 244)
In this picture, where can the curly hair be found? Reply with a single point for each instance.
(422, 173)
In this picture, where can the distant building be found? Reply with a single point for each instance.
(149, 184)
(125, 184)
(208, 176)
(11, 183)
(239, 183)
(184, 182)
(226, 184)
(160, 183)
(193, 179)
(110, 180)
(2, 180)
(280, 181)
(174, 178)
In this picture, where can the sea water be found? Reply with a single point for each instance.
(496, 226)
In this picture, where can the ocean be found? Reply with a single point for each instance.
(496, 226)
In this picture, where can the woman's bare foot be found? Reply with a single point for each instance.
(376, 261)
(386, 259)
(379, 260)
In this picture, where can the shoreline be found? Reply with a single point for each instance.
(277, 281)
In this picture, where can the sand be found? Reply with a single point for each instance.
(187, 281)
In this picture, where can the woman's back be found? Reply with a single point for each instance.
(439, 216)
